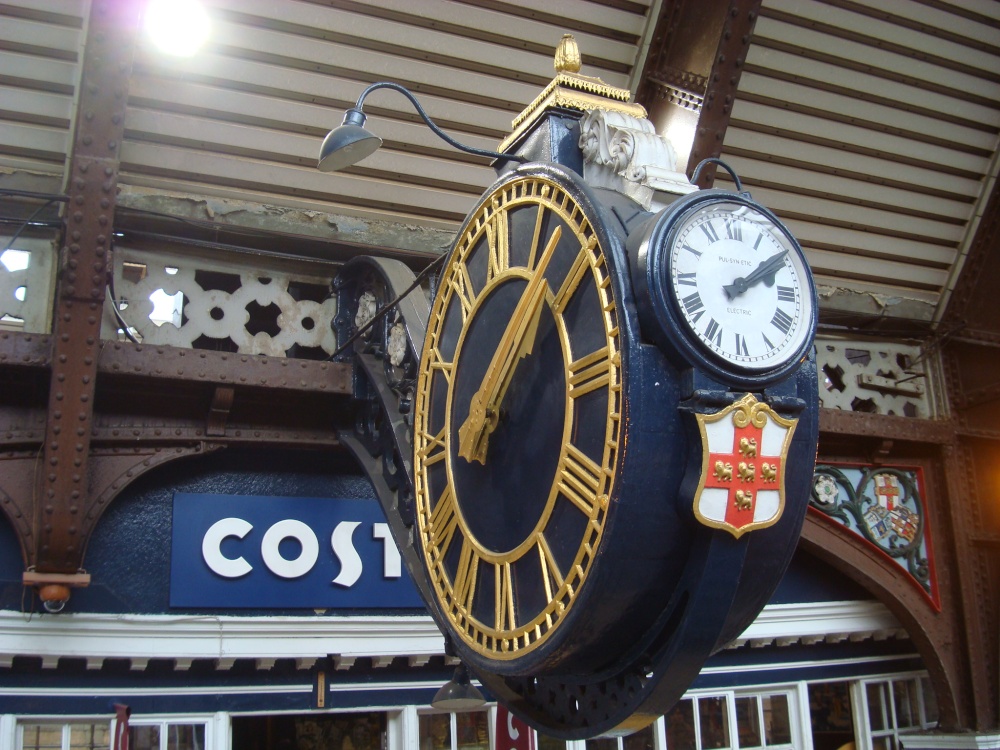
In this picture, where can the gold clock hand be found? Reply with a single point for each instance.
(517, 341)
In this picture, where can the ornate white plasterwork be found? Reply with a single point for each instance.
(626, 154)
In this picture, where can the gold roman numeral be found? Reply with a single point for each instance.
(465, 577)
(461, 285)
(498, 239)
(442, 523)
(539, 220)
(437, 362)
(505, 619)
(552, 577)
(433, 449)
(572, 281)
(580, 480)
(590, 372)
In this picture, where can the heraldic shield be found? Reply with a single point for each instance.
(742, 483)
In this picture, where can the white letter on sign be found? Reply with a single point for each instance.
(211, 547)
(392, 563)
(511, 729)
(272, 556)
(343, 548)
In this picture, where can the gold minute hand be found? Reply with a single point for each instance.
(517, 342)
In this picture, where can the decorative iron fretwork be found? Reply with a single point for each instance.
(885, 507)
(874, 377)
(26, 284)
(277, 308)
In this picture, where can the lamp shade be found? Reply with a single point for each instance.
(347, 144)
(458, 693)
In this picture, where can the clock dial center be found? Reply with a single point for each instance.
(500, 503)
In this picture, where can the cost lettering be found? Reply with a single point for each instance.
(341, 543)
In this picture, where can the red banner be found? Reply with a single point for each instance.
(512, 733)
(122, 712)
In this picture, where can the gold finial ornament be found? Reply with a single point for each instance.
(568, 55)
(573, 91)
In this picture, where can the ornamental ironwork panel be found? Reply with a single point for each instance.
(270, 307)
(26, 284)
(884, 506)
(875, 377)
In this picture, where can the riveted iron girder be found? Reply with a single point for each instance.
(63, 482)
(723, 84)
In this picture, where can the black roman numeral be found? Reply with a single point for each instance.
(786, 294)
(697, 253)
(690, 279)
(734, 231)
(741, 346)
(782, 321)
(694, 306)
(709, 231)
(714, 332)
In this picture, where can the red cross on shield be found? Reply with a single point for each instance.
(887, 490)
(742, 483)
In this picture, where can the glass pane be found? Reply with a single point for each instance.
(144, 737)
(680, 727)
(830, 715)
(875, 692)
(435, 731)
(641, 740)
(904, 693)
(777, 723)
(359, 732)
(42, 736)
(930, 701)
(185, 736)
(549, 743)
(714, 722)
(883, 743)
(89, 736)
(473, 730)
(748, 722)
(603, 743)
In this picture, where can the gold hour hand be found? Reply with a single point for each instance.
(517, 341)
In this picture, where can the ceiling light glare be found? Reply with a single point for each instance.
(177, 27)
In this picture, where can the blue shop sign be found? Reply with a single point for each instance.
(235, 551)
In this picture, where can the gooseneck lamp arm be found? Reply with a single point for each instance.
(352, 142)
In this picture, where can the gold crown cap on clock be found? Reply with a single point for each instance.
(573, 91)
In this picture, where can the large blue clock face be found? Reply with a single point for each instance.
(517, 419)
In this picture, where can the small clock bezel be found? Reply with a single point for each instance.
(650, 250)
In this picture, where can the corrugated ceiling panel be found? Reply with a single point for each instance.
(248, 114)
(869, 127)
(39, 69)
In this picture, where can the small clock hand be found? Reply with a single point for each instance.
(766, 268)
(517, 341)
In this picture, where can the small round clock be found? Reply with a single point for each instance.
(728, 287)
(518, 428)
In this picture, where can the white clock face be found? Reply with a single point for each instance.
(740, 286)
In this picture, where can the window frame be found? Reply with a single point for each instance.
(489, 709)
(791, 691)
(65, 723)
(161, 720)
(891, 720)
